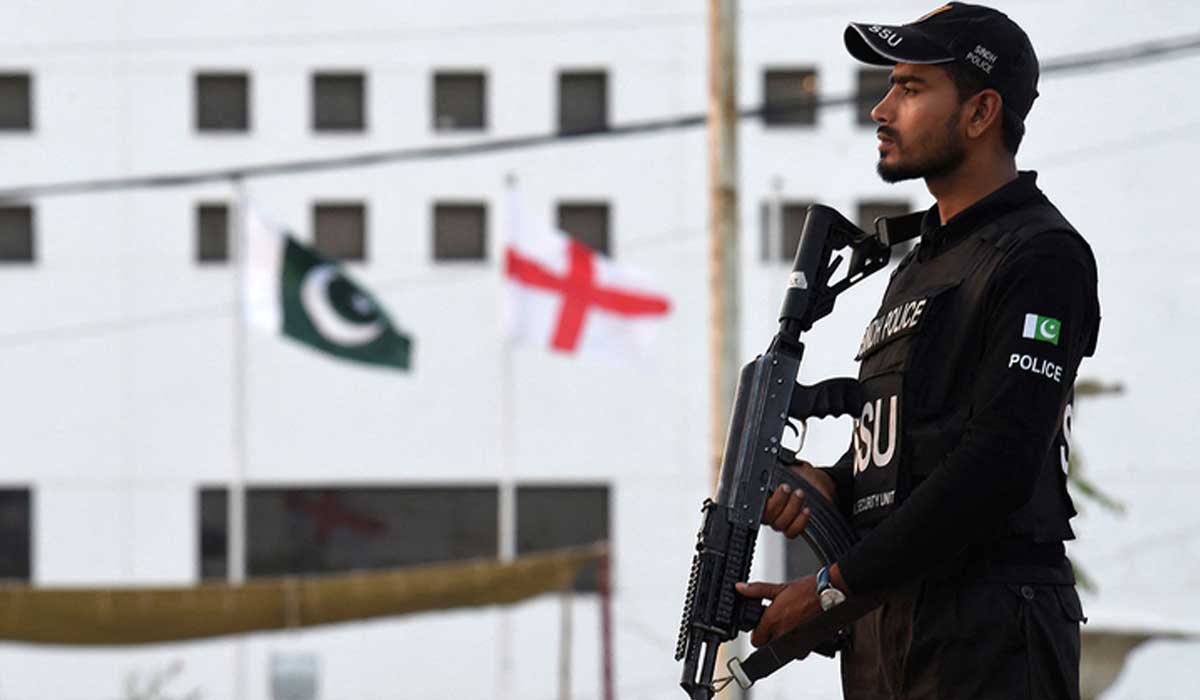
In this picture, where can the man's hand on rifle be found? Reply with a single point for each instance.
(792, 604)
(786, 510)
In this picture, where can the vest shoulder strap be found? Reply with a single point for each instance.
(1040, 219)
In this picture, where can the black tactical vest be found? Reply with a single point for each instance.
(919, 357)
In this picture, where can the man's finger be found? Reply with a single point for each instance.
(766, 629)
(759, 636)
(779, 497)
(798, 524)
(790, 511)
(760, 589)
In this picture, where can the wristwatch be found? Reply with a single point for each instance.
(828, 596)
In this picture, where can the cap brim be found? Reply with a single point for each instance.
(889, 44)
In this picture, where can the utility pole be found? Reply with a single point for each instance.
(723, 210)
(722, 239)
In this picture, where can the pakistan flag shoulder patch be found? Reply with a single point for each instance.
(1042, 328)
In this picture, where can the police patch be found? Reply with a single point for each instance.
(905, 318)
(1041, 328)
(877, 441)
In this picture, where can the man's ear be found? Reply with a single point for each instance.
(984, 109)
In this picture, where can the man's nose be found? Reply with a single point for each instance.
(882, 112)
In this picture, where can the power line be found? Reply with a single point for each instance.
(1133, 53)
(342, 162)
(1113, 58)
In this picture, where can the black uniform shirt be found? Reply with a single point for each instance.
(1044, 290)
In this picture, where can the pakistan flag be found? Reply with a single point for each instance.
(291, 289)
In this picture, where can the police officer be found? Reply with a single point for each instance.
(956, 474)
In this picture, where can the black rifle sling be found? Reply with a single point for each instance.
(801, 641)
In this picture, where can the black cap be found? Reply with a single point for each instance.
(975, 36)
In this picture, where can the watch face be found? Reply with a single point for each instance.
(831, 597)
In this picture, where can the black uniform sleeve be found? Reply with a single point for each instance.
(1039, 317)
(842, 473)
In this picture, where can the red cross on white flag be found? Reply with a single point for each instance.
(569, 298)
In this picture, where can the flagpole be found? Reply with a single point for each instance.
(236, 512)
(507, 511)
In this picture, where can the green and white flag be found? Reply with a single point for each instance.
(1042, 328)
(291, 289)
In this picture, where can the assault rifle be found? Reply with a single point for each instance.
(755, 463)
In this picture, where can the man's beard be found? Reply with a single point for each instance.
(942, 157)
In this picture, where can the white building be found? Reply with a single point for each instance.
(116, 352)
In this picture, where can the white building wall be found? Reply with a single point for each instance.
(116, 352)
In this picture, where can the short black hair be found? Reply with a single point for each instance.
(968, 83)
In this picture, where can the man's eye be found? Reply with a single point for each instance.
(909, 91)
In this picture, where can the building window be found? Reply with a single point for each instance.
(16, 234)
(873, 86)
(328, 530)
(222, 102)
(15, 531)
(586, 222)
(781, 246)
(212, 233)
(582, 101)
(459, 231)
(214, 533)
(339, 102)
(340, 231)
(871, 209)
(459, 101)
(16, 102)
(789, 97)
(551, 517)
